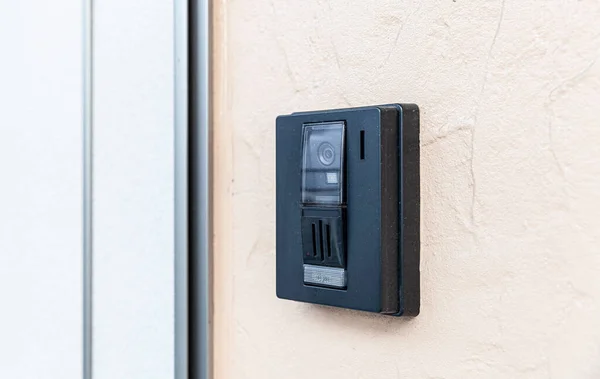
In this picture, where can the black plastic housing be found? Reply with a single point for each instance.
(377, 227)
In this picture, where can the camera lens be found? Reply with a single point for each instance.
(326, 153)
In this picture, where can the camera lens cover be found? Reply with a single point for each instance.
(326, 153)
(322, 163)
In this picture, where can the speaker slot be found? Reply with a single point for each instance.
(321, 238)
(328, 239)
(314, 240)
(362, 144)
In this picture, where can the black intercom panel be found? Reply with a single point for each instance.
(348, 204)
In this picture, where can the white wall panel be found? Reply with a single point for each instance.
(40, 189)
(133, 190)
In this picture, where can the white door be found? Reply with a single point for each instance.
(133, 335)
(41, 194)
(40, 189)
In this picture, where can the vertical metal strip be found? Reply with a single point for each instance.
(200, 229)
(88, 86)
(181, 120)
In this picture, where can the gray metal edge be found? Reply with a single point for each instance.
(201, 26)
(181, 122)
(87, 219)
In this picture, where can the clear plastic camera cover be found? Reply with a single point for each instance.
(322, 163)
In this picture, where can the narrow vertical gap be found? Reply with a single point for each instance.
(321, 239)
(314, 240)
(183, 277)
(328, 239)
(362, 144)
(87, 217)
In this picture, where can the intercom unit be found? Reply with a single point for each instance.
(347, 208)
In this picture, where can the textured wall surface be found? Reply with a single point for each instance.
(509, 94)
(40, 189)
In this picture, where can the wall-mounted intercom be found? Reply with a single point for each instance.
(348, 208)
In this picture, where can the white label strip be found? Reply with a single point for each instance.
(325, 276)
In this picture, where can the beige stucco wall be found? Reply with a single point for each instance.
(510, 102)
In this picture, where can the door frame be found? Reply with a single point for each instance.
(192, 189)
